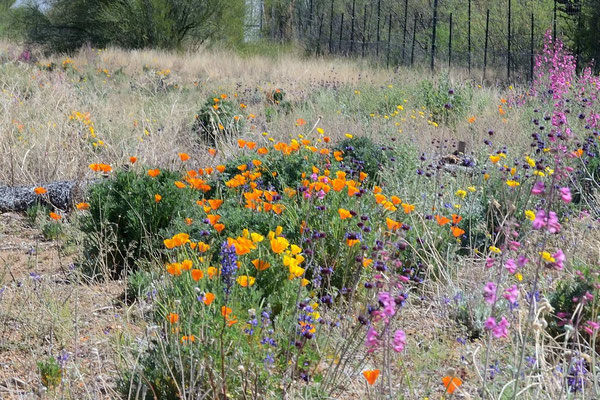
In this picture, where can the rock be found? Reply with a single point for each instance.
(61, 195)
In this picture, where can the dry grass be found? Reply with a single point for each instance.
(133, 115)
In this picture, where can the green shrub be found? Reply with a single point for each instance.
(218, 119)
(362, 154)
(50, 372)
(125, 222)
(565, 300)
(52, 230)
(447, 104)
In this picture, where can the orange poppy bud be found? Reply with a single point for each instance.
(40, 190)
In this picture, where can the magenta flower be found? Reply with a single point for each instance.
(489, 292)
(511, 294)
(591, 327)
(372, 341)
(553, 224)
(399, 341)
(490, 323)
(560, 259)
(489, 263)
(514, 245)
(522, 260)
(565, 194)
(538, 188)
(511, 266)
(388, 303)
(501, 328)
(540, 220)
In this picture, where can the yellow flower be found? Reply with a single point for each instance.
(519, 276)
(530, 215)
(279, 244)
(547, 257)
(257, 237)
(245, 280)
(461, 193)
(496, 250)
(530, 161)
(512, 183)
(471, 189)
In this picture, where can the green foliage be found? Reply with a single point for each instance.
(50, 372)
(362, 154)
(125, 215)
(33, 212)
(217, 120)
(52, 230)
(566, 301)
(447, 104)
(277, 105)
(68, 24)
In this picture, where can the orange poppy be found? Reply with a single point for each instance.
(456, 231)
(352, 190)
(441, 220)
(251, 145)
(212, 272)
(371, 375)
(186, 265)
(456, 219)
(379, 198)
(344, 214)
(83, 206)
(153, 172)
(221, 168)
(212, 152)
(174, 269)
(451, 383)
(260, 264)
(241, 143)
(180, 184)
(219, 227)
(40, 190)
(213, 218)
(262, 151)
(173, 318)
(300, 122)
(362, 176)
(208, 298)
(55, 216)
(215, 204)
(225, 311)
(184, 156)
(396, 200)
(197, 274)
(393, 225)
(157, 198)
(133, 160)
(408, 208)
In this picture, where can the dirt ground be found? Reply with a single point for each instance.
(47, 310)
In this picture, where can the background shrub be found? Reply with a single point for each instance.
(124, 211)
